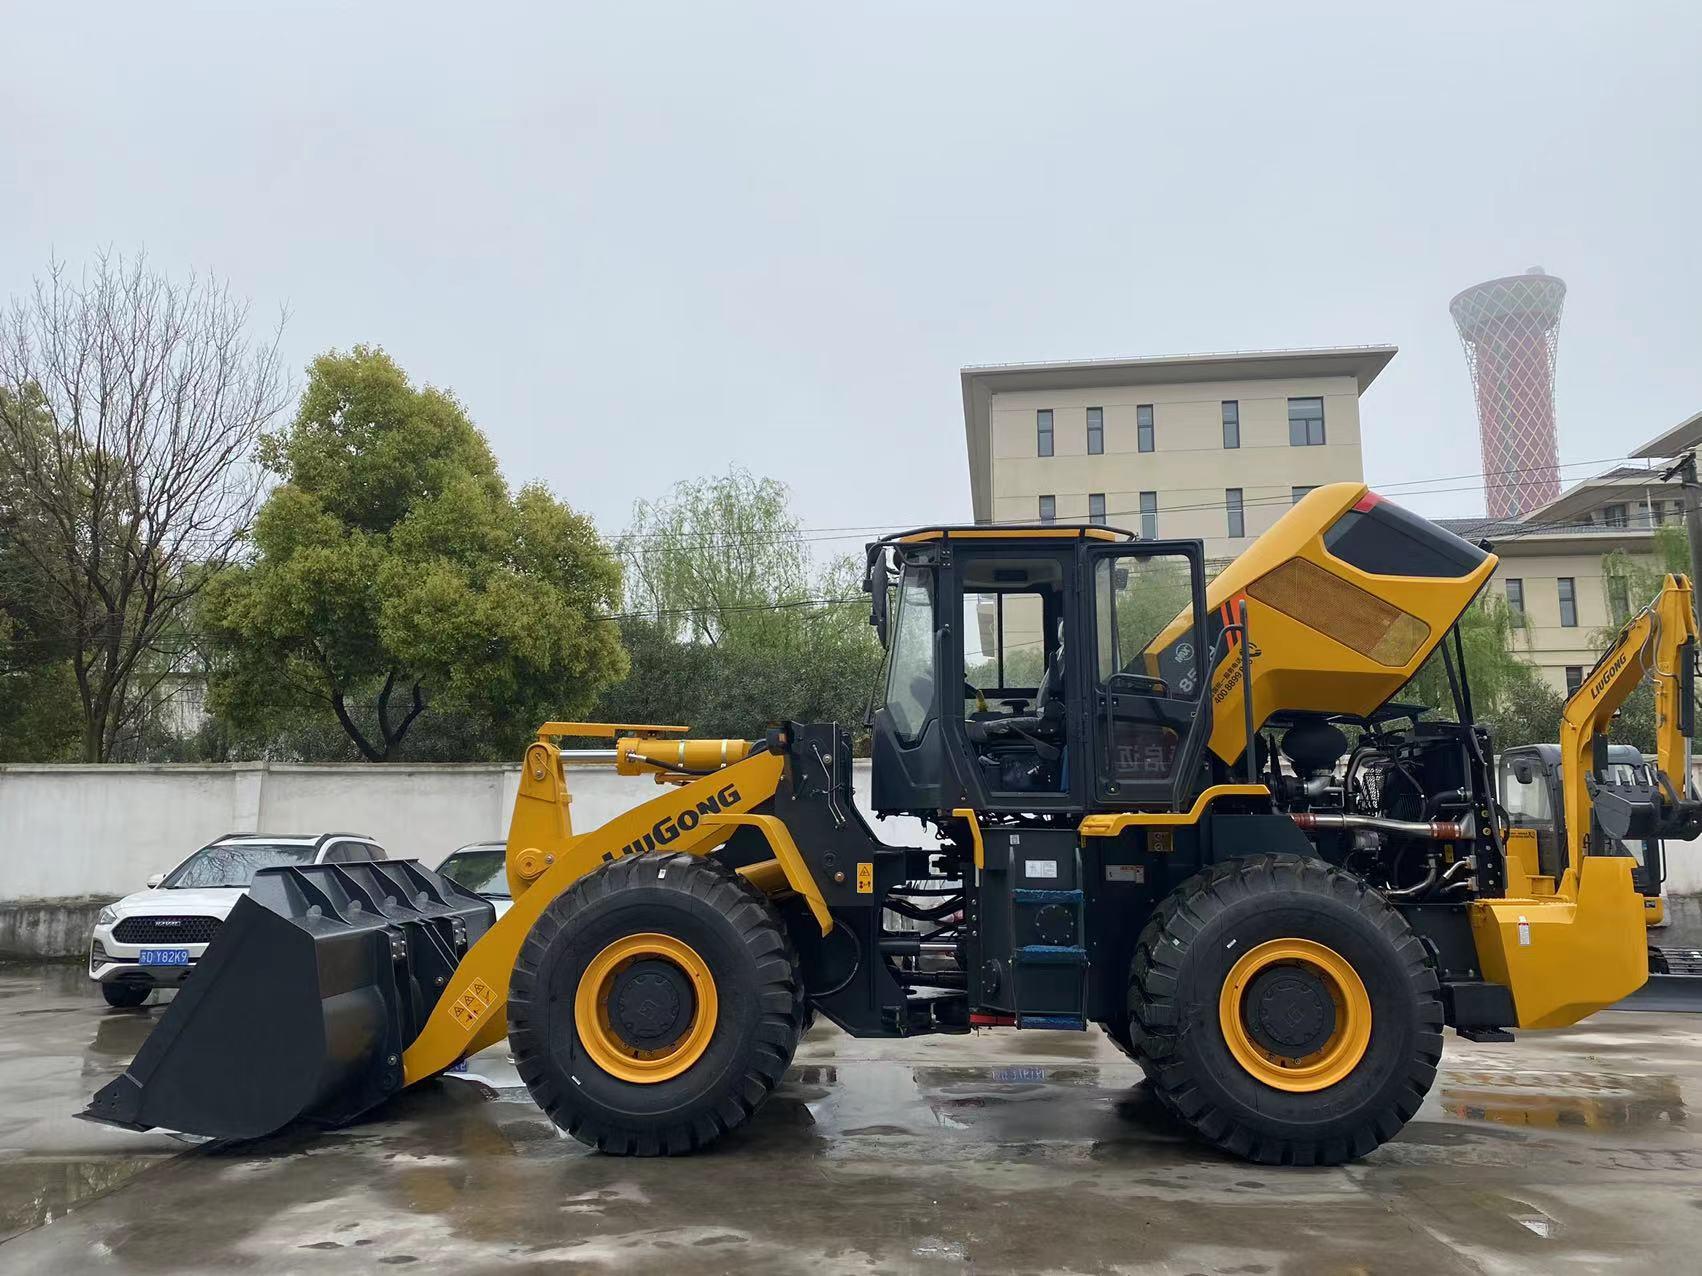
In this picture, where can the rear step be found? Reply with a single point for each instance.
(303, 1003)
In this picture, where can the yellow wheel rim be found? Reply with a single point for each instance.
(611, 1049)
(1266, 1060)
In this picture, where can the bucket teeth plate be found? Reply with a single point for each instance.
(303, 1003)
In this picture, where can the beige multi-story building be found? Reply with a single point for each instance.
(1553, 564)
(1210, 446)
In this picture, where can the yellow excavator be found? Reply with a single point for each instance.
(1554, 794)
(1189, 815)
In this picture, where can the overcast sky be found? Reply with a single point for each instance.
(646, 245)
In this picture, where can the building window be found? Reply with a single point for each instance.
(1305, 422)
(1568, 602)
(1615, 516)
(1149, 515)
(1574, 679)
(1231, 423)
(1295, 493)
(1619, 598)
(1095, 431)
(1048, 508)
(1654, 513)
(1096, 508)
(1043, 432)
(1143, 427)
(1516, 596)
(1232, 505)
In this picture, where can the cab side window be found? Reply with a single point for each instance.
(910, 666)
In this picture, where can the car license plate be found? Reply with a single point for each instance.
(165, 957)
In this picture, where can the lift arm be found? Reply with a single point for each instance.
(1660, 642)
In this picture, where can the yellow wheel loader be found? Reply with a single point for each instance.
(1189, 815)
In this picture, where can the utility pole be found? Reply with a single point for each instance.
(1685, 469)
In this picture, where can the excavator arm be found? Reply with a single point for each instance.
(1658, 642)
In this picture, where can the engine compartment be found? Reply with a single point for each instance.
(1406, 804)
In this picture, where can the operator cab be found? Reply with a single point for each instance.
(1037, 670)
(1531, 787)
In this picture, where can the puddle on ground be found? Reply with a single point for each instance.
(37, 1190)
(1565, 1100)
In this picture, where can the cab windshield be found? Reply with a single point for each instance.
(234, 866)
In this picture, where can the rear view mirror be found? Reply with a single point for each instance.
(1522, 771)
(877, 586)
(155, 880)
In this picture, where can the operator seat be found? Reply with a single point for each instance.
(1047, 720)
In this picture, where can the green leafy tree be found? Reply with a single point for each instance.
(1509, 694)
(1632, 581)
(732, 623)
(397, 582)
(38, 696)
(38, 693)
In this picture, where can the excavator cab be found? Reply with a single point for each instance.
(1022, 670)
(1531, 790)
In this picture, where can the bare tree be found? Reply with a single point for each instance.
(130, 411)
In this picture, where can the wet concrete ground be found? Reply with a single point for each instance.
(1577, 1150)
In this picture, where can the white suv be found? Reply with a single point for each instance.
(153, 938)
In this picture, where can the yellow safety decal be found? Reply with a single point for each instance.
(471, 1005)
(866, 878)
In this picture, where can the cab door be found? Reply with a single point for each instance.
(1150, 714)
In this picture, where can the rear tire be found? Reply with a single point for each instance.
(1285, 1011)
(125, 996)
(655, 1005)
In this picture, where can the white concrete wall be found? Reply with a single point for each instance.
(81, 831)
(69, 831)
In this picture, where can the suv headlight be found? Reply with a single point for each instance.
(106, 916)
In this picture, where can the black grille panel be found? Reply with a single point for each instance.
(166, 930)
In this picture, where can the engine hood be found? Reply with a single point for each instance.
(203, 902)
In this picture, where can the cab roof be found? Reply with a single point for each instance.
(1009, 532)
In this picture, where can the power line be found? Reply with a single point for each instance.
(803, 534)
(1517, 531)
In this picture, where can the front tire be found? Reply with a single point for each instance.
(124, 996)
(1285, 1011)
(655, 1005)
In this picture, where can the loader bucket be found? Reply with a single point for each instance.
(302, 1004)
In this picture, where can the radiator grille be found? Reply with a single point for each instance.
(166, 930)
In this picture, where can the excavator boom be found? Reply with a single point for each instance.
(1658, 643)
